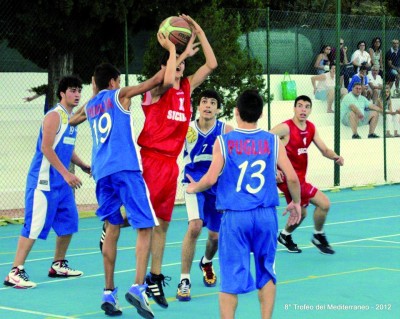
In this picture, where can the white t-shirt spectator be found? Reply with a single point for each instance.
(375, 81)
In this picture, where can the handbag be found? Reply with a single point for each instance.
(289, 89)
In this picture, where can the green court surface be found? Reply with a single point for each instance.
(360, 281)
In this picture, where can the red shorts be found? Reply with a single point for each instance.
(307, 191)
(160, 173)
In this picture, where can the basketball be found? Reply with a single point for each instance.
(177, 30)
(191, 135)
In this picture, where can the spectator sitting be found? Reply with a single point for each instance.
(357, 110)
(393, 66)
(360, 77)
(375, 84)
(375, 53)
(360, 57)
(322, 60)
(324, 90)
(392, 116)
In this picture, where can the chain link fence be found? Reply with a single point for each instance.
(281, 41)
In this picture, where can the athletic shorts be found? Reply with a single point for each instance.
(321, 95)
(241, 233)
(307, 191)
(364, 121)
(50, 209)
(129, 189)
(202, 206)
(161, 176)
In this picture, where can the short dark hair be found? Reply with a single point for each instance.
(68, 81)
(103, 73)
(211, 94)
(302, 98)
(250, 106)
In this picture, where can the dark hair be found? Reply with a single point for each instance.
(302, 98)
(69, 81)
(363, 67)
(103, 73)
(211, 94)
(357, 83)
(250, 106)
(360, 42)
(373, 42)
(324, 47)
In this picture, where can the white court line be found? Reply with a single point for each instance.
(37, 313)
(196, 261)
(386, 241)
(179, 242)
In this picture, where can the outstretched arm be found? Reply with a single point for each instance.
(163, 79)
(211, 61)
(325, 151)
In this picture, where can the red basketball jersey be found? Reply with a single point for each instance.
(296, 148)
(167, 120)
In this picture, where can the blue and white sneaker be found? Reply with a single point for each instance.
(110, 303)
(137, 297)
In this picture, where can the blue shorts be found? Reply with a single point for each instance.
(129, 189)
(202, 206)
(321, 95)
(241, 233)
(50, 209)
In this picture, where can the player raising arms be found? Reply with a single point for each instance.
(297, 135)
(117, 172)
(168, 112)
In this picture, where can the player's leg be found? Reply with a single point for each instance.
(227, 305)
(285, 236)
(322, 205)
(266, 296)
(65, 224)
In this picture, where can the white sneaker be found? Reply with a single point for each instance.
(19, 279)
(60, 268)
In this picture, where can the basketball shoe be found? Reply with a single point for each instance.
(136, 296)
(183, 293)
(320, 241)
(60, 268)
(19, 279)
(110, 303)
(209, 277)
(287, 241)
(155, 290)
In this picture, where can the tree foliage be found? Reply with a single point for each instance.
(237, 69)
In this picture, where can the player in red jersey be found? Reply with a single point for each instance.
(168, 113)
(297, 134)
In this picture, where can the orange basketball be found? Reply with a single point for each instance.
(177, 30)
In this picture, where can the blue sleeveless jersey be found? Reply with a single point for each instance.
(197, 155)
(42, 175)
(247, 180)
(114, 143)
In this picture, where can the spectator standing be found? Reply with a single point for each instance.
(375, 53)
(393, 66)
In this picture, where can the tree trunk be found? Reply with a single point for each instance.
(60, 64)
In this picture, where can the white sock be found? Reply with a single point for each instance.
(285, 232)
(185, 276)
(205, 260)
(316, 232)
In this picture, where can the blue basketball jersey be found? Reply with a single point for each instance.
(197, 154)
(42, 175)
(114, 143)
(247, 180)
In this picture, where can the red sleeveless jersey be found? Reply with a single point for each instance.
(296, 148)
(167, 120)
